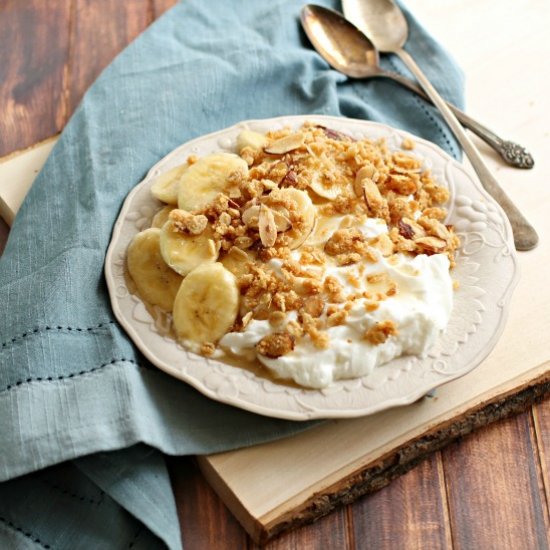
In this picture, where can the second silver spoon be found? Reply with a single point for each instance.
(349, 51)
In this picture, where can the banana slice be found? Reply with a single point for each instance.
(207, 304)
(325, 226)
(300, 232)
(165, 187)
(203, 181)
(161, 217)
(254, 140)
(326, 189)
(236, 261)
(156, 283)
(183, 253)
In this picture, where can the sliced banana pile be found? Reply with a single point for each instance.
(155, 281)
(210, 228)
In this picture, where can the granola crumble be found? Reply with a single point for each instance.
(380, 332)
(258, 221)
(276, 344)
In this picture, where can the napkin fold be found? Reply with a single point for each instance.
(84, 417)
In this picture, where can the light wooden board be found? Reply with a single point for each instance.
(17, 173)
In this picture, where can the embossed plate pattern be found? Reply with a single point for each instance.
(486, 271)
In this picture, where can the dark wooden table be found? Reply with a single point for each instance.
(489, 490)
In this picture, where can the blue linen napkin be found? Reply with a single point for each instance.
(84, 418)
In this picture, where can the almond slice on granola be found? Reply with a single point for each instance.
(285, 144)
(251, 217)
(410, 229)
(267, 227)
(431, 245)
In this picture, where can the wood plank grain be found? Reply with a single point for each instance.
(102, 28)
(332, 531)
(541, 426)
(34, 41)
(204, 520)
(494, 489)
(411, 512)
(160, 6)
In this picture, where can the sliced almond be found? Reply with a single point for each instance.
(285, 144)
(431, 244)
(335, 134)
(405, 229)
(290, 180)
(358, 187)
(369, 171)
(301, 231)
(405, 171)
(365, 186)
(410, 229)
(372, 195)
(267, 227)
(251, 216)
(282, 222)
(440, 231)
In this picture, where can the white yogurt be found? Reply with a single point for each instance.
(420, 309)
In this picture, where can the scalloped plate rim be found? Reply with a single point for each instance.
(266, 410)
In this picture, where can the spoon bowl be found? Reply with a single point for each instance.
(381, 20)
(340, 42)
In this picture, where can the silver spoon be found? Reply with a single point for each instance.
(349, 51)
(384, 23)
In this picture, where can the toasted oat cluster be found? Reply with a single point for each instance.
(277, 200)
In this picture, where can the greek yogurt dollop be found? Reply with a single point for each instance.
(420, 309)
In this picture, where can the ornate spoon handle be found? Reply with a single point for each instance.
(512, 153)
(525, 236)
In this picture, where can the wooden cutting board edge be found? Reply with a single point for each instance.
(18, 171)
(358, 480)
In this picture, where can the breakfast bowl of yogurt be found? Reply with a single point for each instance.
(311, 267)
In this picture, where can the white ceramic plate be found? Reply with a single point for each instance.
(486, 270)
